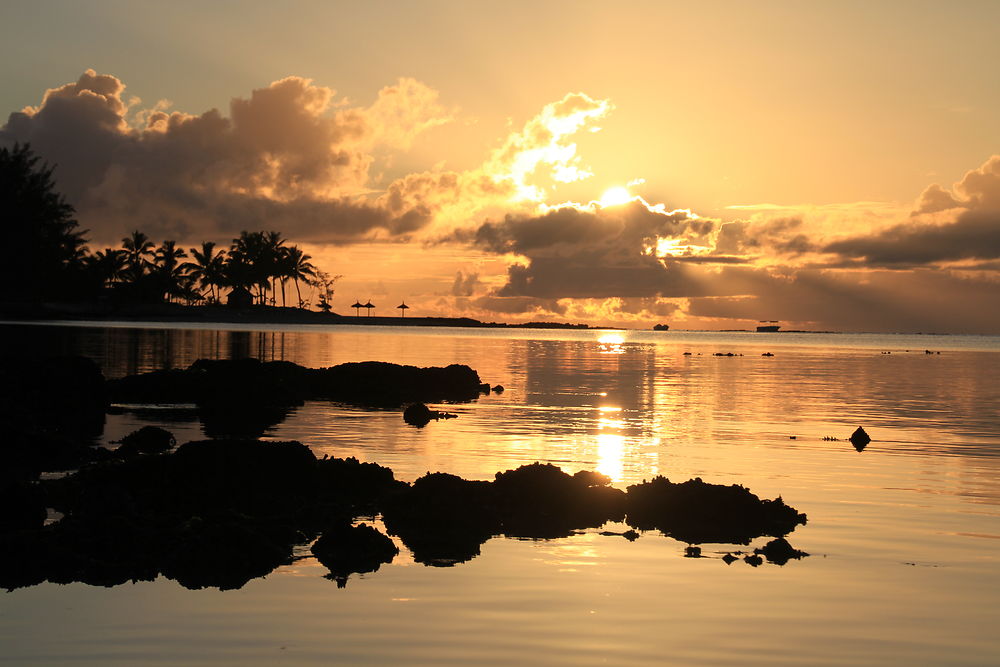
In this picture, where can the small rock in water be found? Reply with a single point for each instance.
(729, 558)
(860, 439)
(767, 354)
(753, 560)
(692, 552)
(419, 414)
(498, 389)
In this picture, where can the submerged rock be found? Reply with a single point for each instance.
(244, 397)
(443, 519)
(147, 440)
(695, 512)
(346, 550)
(541, 501)
(420, 415)
(779, 551)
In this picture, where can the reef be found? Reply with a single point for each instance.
(220, 512)
(695, 511)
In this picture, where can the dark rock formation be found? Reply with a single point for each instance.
(498, 389)
(443, 519)
(420, 415)
(50, 412)
(22, 506)
(860, 439)
(242, 398)
(696, 512)
(779, 551)
(214, 513)
(542, 501)
(57, 395)
(221, 512)
(346, 549)
(147, 440)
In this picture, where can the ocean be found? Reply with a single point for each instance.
(902, 537)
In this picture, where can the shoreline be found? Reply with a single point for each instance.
(271, 315)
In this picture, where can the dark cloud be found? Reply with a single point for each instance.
(778, 236)
(285, 158)
(593, 253)
(974, 235)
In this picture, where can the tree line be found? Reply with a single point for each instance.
(49, 260)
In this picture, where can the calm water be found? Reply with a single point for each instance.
(903, 536)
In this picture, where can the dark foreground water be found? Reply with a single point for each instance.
(903, 537)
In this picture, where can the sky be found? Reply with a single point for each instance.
(708, 165)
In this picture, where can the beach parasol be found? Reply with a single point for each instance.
(357, 306)
(402, 309)
(369, 306)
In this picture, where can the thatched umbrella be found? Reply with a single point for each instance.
(369, 306)
(402, 309)
(357, 306)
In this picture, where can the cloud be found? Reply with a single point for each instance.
(917, 301)
(465, 284)
(287, 157)
(946, 226)
(594, 251)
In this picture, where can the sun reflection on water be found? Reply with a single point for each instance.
(611, 343)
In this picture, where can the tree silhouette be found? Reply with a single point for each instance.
(208, 268)
(295, 266)
(138, 255)
(169, 272)
(107, 267)
(46, 246)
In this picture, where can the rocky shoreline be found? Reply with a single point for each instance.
(220, 512)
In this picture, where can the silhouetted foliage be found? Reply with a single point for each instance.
(45, 246)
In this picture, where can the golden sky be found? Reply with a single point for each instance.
(702, 164)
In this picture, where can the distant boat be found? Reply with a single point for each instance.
(768, 326)
(661, 327)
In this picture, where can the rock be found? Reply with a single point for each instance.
(498, 389)
(224, 551)
(420, 415)
(779, 551)
(443, 519)
(753, 560)
(243, 386)
(22, 506)
(692, 552)
(696, 512)
(541, 501)
(767, 354)
(147, 440)
(729, 558)
(860, 439)
(346, 549)
(63, 396)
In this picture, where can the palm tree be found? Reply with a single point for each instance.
(108, 266)
(274, 252)
(169, 270)
(295, 266)
(253, 260)
(137, 248)
(208, 268)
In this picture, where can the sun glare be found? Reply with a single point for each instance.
(615, 196)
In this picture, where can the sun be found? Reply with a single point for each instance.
(615, 196)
